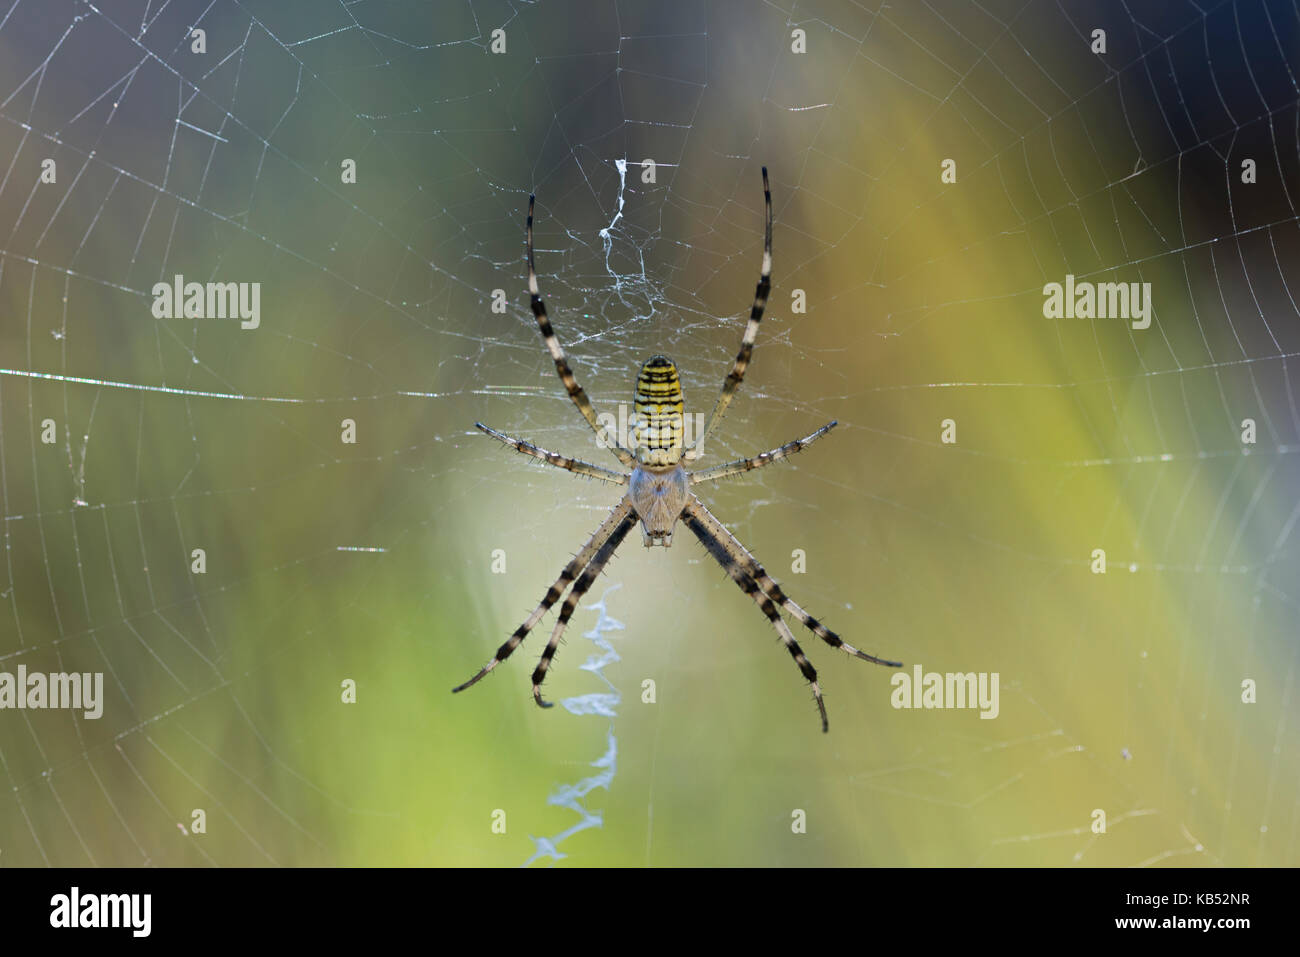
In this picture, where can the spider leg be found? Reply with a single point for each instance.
(612, 523)
(750, 565)
(734, 566)
(758, 461)
(553, 346)
(733, 380)
(576, 466)
(580, 587)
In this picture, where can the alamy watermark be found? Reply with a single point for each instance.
(622, 428)
(922, 689)
(57, 689)
(1098, 300)
(179, 299)
(75, 909)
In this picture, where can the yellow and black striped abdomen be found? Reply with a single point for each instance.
(657, 424)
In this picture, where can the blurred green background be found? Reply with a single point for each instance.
(1120, 692)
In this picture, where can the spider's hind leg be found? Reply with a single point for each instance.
(562, 368)
(737, 373)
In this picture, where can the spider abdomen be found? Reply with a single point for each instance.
(657, 421)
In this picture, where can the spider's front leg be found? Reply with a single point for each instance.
(745, 570)
(617, 520)
(751, 566)
(735, 569)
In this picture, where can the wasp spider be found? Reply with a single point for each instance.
(659, 487)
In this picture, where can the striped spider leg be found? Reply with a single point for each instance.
(758, 461)
(658, 488)
(576, 466)
(737, 373)
(615, 527)
(754, 581)
(576, 392)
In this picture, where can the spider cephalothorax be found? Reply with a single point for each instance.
(658, 496)
(659, 486)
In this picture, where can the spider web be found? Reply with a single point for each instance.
(376, 561)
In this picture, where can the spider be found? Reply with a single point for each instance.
(659, 487)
